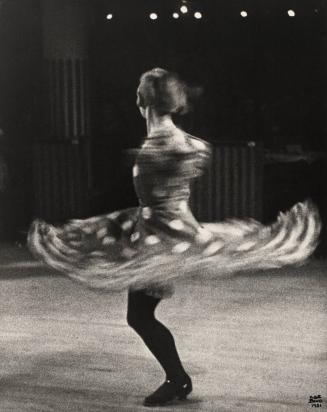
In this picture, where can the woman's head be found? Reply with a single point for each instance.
(162, 91)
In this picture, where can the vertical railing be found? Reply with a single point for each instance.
(62, 172)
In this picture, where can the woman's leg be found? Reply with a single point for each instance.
(159, 340)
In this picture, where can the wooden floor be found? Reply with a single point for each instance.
(255, 342)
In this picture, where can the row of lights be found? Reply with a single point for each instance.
(153, 16)
(197, 15)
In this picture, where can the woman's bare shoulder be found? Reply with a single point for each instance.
(197, 143)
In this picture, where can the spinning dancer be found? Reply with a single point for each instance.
(144, 249)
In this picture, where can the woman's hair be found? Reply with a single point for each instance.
(163, 91)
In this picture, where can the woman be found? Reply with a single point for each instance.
(143, 249)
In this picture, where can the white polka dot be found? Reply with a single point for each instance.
(71, 251)
(181, 247)
(97, 253)
(75, 222)
(245, 246)
(151, 240)
(183, 206)
(135, 236)
(128, 252)
(213, 248)
(176, 224)
(146, 213)
(101, 233)
(127, 225)
(203, 236)
(93, 219)
(114, 215)
(199, 145)
(135, 171)
(75, 243)
(88, 229)
(108, 240)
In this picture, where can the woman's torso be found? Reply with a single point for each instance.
(165, 166)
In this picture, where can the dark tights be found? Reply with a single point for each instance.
(159, 340)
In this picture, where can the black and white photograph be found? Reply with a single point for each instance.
(163, 205)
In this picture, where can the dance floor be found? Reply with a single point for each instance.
(254, 342)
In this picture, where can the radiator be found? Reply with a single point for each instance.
(232, 185)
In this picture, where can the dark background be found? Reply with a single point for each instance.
(262, 79)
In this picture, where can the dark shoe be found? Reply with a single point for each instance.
(169, 391)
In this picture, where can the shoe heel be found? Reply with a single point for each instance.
(184, 394)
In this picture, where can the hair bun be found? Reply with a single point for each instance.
(163, 91)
